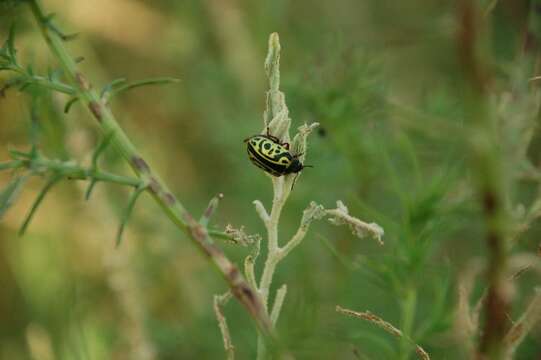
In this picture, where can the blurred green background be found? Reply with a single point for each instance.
(384, 80)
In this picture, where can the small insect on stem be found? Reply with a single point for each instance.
(269, 154)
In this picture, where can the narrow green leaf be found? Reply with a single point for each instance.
(37, 202)
(10, 164)
(131, 203)
(54, 75)
(10, 193)
(69, 37)
(49, 17)
(4, 54)
(101, 147)
(139, 83)
(25, 84)
(91, 186)
(70, 102)
(107, 88)
(16, 154)
(10, 44)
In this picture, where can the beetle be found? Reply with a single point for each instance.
(272, 156)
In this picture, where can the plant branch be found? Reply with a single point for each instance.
(90, 98)
(70, 170)
(219, 303)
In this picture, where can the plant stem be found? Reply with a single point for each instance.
(281, 193)
(408, 316)
(488, 170)
(77, 172)
(157, 188)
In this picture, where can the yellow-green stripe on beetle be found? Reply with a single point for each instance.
(267, 153)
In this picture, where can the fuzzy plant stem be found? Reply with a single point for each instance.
(247, 296)
(275, 253)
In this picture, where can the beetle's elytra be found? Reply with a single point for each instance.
(267, 153)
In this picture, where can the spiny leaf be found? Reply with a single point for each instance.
(131, 203)
(49, 17)
(54, 75)
(91, 186)
(107, 88)
(101, 147)
(56, 178)
(24, 84)
(139, 83)
(95, 156)
(48, 21)
(211, 209)
(70, 102)
(10, 44)
(16, 154)
(10, 193)
(10, 164)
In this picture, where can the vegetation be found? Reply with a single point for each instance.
(421, 117)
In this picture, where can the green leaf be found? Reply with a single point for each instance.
(109, 87)
(91, 186)
(139, 83)
(10, 193)
(16, 154)
(101, 148)
(37, 202)
(70, 102)
(54, 75)
(131, 203)
(10, 44)
(10, 164)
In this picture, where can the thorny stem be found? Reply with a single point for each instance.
(157, 188)
(71, 170)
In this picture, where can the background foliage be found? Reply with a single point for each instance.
(385, 81)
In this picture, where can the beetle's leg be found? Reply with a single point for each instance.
(294, 181)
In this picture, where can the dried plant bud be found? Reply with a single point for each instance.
(340, 216)
(313, 212)
(279, 125)
(276, 116)
(238, 236)
(299, 141)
